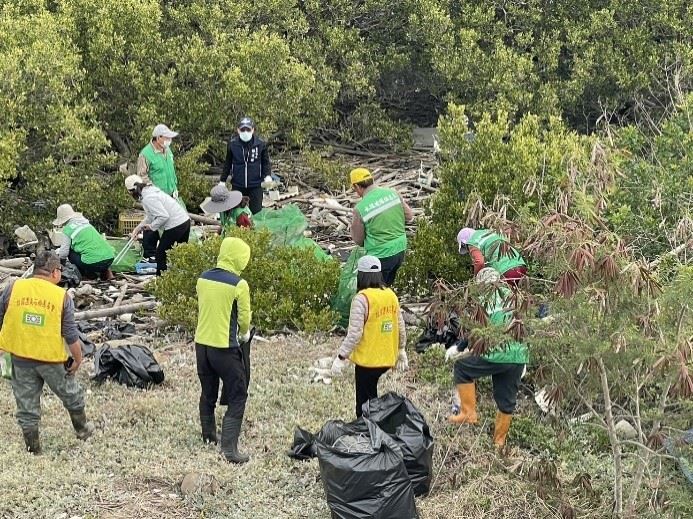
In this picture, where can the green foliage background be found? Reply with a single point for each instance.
(83, 81)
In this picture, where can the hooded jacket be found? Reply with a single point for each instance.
(223, 298)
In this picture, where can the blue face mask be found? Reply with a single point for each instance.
(245, 136)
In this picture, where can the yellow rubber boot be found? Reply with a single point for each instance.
(467, 412)
(500, 432)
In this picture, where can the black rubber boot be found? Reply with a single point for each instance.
(31, 440)
(209, 429)
(83, 428)
(230, 431)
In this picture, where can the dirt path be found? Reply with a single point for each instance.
(147, 441)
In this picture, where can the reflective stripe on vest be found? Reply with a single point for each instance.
(379, 343)
(32, 327)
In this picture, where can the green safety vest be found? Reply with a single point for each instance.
(489, 243)
(161, 169)
(513, 352)
(383, 219)
(86, 241)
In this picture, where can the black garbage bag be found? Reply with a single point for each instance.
(447, 334)
(245, 353)
(399, 418)
(363, 472)
(70, 276)
(118, 330)
(132, 365)
(304, 446)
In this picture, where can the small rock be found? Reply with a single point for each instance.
(625, 430)
(126, 318)
(137, 298)
(197, 483)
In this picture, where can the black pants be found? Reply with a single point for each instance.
(255, 195)
(506, 379)
(150, 241)
(88, 269)
(178, 234)
(390, 266)
(225, 365)
(366, 385)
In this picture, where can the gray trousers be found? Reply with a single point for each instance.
(27, 386)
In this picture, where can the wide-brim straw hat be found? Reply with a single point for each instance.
(64, 214)
(221, 200)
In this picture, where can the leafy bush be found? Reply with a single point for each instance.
(289, 286)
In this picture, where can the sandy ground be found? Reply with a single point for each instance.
(148, 440)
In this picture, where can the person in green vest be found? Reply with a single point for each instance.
(490, 249)
(231, 206)
(505, 364)
(378, 222)
(83, 245)
(376, 337)
(155, 165)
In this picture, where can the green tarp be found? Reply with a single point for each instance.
(132, 257)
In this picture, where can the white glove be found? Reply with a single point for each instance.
(244, 338)
(402, 361)
(175, 194)
(338, 366)
(451, 353)
(222, 183)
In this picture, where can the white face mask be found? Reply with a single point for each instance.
(245, 136)
(167, 143)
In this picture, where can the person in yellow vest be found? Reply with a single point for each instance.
(376, 335)
(223, 324)
(378, 222)
(155, 164)
(36, 320)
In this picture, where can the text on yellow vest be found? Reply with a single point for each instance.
(32, 327)
(379, 344)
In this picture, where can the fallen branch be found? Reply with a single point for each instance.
(121, 295)
(109, 312)
(14, 272)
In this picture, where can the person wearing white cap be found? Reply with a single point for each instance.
(490, 249)
(231, 206)
(83, 245)
(376, 335)
(247, 163)
(162, 212)
(155, 164)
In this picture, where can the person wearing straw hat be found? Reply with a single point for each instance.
(231, 206)
(83, 245)
(161, 212)
(376, 335)
(378, 222)
(155, 164)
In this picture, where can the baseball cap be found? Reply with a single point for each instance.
(464, 236)
(368, 264)
(246, 122)
(161, 130)
(359, 175)
(132, 180)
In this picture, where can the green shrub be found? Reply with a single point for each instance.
(432, 368)
(289, 286)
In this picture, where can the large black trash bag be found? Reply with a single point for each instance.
(70, 276)
(363, 483)
(132, 365)
(447, 335)
(399, 418)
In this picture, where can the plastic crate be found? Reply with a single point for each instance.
(128, 220)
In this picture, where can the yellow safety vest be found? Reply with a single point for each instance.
(379, 343)
(32, 327)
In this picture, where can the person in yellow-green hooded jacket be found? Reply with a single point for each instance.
(376, 335)
(378, 222)
(223, 323)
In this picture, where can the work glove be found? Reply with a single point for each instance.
(175, 194)
(452, 353)
(222, 183)
(402, 361)
(338, 366)
(244, 338)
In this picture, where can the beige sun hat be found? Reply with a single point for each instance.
(64, 214)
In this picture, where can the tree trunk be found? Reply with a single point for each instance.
(109, 312)
(613, 439)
